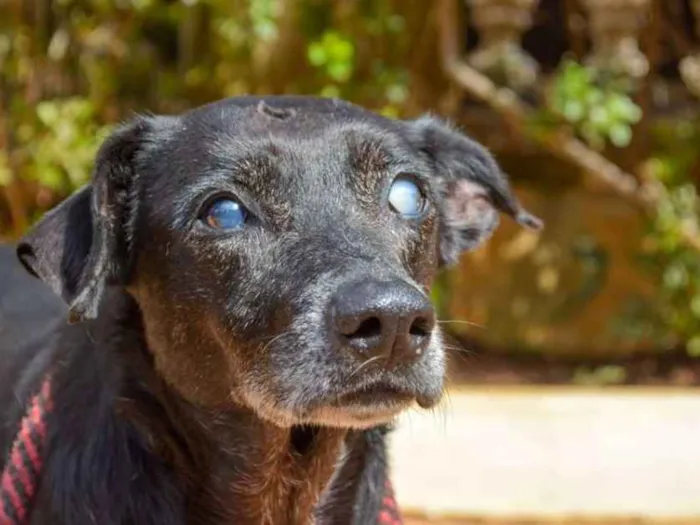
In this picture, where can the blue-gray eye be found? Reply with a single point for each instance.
(225, 214)
(406, 198)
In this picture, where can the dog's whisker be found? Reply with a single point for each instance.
(266, 338)
(365, 364)
(459, 349)
(274, 339)
(461, 321)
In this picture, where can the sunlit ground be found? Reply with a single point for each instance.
(552, 455)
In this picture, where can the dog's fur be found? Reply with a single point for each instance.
(198, 381)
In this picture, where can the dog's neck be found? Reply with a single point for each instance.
(241, 468)
(259, 473)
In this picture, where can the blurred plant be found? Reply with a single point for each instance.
(63, 76)
(62, 143)
(600, 376)
(375, 32)
(334, 54)
(676, 265)
(263, 14)
(90, 63)
(600, 112)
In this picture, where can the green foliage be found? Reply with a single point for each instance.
(600, 376)
(602, 111)
(66, 79)
(62, 143)
(263, 17)
(63, 81)
(598, 112)
(334, 53)
(668, 256)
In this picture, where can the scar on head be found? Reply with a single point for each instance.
(278, 113)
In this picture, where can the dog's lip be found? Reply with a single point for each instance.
(374, 394)
(428, 402)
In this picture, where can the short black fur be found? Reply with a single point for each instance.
(215, 377)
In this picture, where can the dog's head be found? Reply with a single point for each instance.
(280, 250)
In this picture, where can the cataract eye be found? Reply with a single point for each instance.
(406, 198)
(225, 214)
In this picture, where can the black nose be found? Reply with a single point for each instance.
(390, 319)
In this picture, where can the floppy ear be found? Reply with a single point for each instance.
(473, 188)
(83, 245)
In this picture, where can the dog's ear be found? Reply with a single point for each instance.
(473, 188)
(82, 245)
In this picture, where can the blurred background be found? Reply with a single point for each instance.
(588, 330)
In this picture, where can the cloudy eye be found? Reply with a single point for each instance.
(406, 198)
(225, 214)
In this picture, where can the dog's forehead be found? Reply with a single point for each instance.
(283, 116)
(272, 137)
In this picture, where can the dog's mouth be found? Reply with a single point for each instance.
(376, 403)
(382, 395)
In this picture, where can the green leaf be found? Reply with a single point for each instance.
(620, 135)
(51, 176)
(695, 305)
(341, 50)
(623, 108)
(48, 113)
(330, 91)
(316, 54)
(397, 93)
(5, 172)
(594, 96)
(340, 71)
(675, 276)
(693, 347)
(574, 110)
(599, 117)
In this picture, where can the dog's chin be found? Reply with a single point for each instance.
(359, 409)
(358, 415)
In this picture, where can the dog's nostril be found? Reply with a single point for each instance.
(420, 327)
(383, 319)
(371, 327)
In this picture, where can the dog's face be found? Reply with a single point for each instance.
(281, 251)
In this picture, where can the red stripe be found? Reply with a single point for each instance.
(385, 517)
(46, 392)
(9, 488)
(29, 445)
(32, 426)
(35, 416)
(21, 469)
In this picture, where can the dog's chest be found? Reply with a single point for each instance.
(269, 485)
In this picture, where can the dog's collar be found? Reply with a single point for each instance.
(22, 472)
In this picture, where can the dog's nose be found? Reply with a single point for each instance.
(389, 319)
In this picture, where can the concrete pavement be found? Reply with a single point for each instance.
(553, 453)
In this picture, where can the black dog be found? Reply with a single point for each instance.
(247, 290)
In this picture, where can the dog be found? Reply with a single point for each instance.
(236, 308)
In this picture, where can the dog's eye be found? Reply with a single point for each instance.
(225, 214)
(406, 198)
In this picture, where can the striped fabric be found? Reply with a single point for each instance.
(389, 514)
(22, 472)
